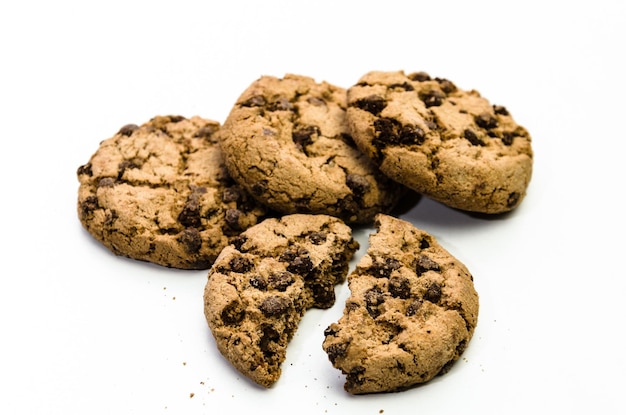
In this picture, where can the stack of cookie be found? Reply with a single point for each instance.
(266, 202)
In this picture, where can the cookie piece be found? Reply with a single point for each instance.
(411, 312)
(286, 141)
(160, 192)
(261, 285)
(441, 141)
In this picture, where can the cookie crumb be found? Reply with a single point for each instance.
(191, 395)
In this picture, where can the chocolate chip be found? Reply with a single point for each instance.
(240, 264)
(301, 265)
(206, 132)
(231, 217)
(231, 194)
(507, 138)
(258, 282)
(425, 243)
(336, 351)
(192, 241)
(233, 313)
(486, 120)
(254, 101)
(106, 182)
(399, 287)
(125, 165)
(259, 187)
(500, 110)
(419, 76)
(433, 293)
(412, 309)
(274, 305)
(432, 97)
(302, 136)
(89, 204)
(84, 169)
(317, 238)
(512, 199)
(373, 104)
(391, 131)
(355, 377)
(190, 215)
(281, 280)
(404, 86)
(280, 104)
(384, 268)
(128, 129)
(373, 298)
(471, 136)
(424, 264)
(299, 261)
(446, 86)
(358, 184)
(238, 241)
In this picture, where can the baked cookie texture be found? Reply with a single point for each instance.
(261, 285)
(286, 140)
(449, 144)
(160, 192)
(411, 312)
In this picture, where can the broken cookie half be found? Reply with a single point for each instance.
(262, 283)
(410, 315)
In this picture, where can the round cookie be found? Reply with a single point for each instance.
(160, 192)
(261, 285)
(443, 142)
(286, 141)
(411, 312)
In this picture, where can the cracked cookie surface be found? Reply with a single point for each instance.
(449, 144)
(261, 285)
(160, 192)
(286, 140)
(411, 312)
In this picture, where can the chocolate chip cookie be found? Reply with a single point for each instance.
(160, 192)
(411, 312)
(449, 144)
(286, 140)
(261, 285)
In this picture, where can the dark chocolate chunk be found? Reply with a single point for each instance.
(424, 264)
(433, 293)
(419, 76)
(280, 104)
(512, 199)
(280, 280)
(304, 135)
(231, 217)
(336, 351)
(383, 268)
(471, 136)
(128, 129)
(274, 306)
(412, 309)
(85, 169)
(399, 287)
(192, 241)
(89, 205)
(500, 110)
(358, 184)
(317, 238)
(486, 120)
(373, 104)
(432, 97)
(240, 264)
(254, 101)
(258, 282)
(106, 182)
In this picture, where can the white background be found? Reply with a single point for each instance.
(83, 331)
